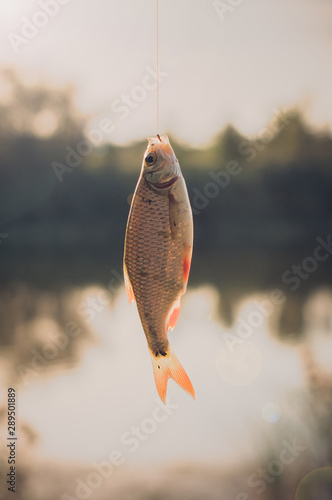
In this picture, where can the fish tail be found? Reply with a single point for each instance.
(168, 366)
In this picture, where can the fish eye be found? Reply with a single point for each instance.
(151, 159)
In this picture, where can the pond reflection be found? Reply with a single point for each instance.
(80, 363)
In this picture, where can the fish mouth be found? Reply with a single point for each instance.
(161, 142)
(166, 172)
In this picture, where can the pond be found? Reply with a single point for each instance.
(80, 366)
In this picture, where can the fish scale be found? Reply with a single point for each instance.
(149, 219)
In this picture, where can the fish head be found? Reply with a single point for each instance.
(160, 165)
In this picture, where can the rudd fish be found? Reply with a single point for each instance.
(157, 256)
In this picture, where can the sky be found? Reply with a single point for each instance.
(237, 64)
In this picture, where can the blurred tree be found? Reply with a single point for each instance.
(248, 233)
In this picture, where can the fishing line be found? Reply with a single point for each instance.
(157, 67)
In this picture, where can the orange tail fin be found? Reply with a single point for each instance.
(165, 367)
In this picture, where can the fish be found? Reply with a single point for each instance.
(157, 256)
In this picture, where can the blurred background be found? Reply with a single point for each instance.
(245, 96)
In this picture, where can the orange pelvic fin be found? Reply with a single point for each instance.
(173, 315)
(165, 367)
(186, 265)
(129, 288)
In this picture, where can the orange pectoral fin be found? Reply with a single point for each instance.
(129, 288)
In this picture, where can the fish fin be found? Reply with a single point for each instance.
(129, 288)
(165, 367)
(186, 264)
(173, 314)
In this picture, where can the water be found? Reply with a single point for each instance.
(86, 392)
